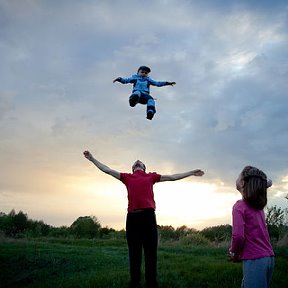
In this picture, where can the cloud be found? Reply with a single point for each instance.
(6, 103)
(228, 109)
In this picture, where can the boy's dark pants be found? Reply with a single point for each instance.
(145, 99)
(141, 231)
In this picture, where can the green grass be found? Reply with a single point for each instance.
(104, 263)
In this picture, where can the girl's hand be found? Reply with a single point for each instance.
(232, 257)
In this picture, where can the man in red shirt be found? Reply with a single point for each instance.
(141, 225)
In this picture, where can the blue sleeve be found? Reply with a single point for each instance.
(127, 80)
(158, 83)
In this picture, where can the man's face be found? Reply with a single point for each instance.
(143, 73)
(138, 165)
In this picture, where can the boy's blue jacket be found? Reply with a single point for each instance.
(142, 84)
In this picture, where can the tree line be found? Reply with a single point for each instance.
(18, 225)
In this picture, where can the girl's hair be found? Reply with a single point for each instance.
(255, 187)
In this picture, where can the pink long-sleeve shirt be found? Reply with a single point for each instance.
(250, 238)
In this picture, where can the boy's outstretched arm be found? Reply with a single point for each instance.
(173, 177)
(101, 166)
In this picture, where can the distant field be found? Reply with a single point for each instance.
(104, 263)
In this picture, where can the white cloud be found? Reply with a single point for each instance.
(228, 109)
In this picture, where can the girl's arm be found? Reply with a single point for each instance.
(238, 238)
(179, 176)
(101, 166)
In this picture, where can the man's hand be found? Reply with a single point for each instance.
(171, 83)
(198, 172)
(88, 155)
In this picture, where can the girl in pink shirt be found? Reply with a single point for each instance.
(250, 239)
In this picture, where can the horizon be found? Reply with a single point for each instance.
(105, 226)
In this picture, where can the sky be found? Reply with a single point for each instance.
(227, 110)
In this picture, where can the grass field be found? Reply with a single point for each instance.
(104, 263)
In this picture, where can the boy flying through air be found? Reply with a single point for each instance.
(141, 89)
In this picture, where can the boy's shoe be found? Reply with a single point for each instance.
(133, 100)
(150, 114)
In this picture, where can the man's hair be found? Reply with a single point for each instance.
(144, 68)
(255, 187)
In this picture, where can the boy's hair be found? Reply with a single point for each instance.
(144, 68)
(255, 187)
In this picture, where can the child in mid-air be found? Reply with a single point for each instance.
(250, 239)
(141, 89)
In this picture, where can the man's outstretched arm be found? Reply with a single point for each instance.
(173, 177)
(101, 166)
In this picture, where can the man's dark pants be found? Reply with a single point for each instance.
(141, 232)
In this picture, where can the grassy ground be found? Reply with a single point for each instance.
(104, 263)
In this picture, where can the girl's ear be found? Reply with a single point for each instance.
(242, 183)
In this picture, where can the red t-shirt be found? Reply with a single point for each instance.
(140, 189)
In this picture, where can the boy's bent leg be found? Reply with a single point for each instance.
(134, 98)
